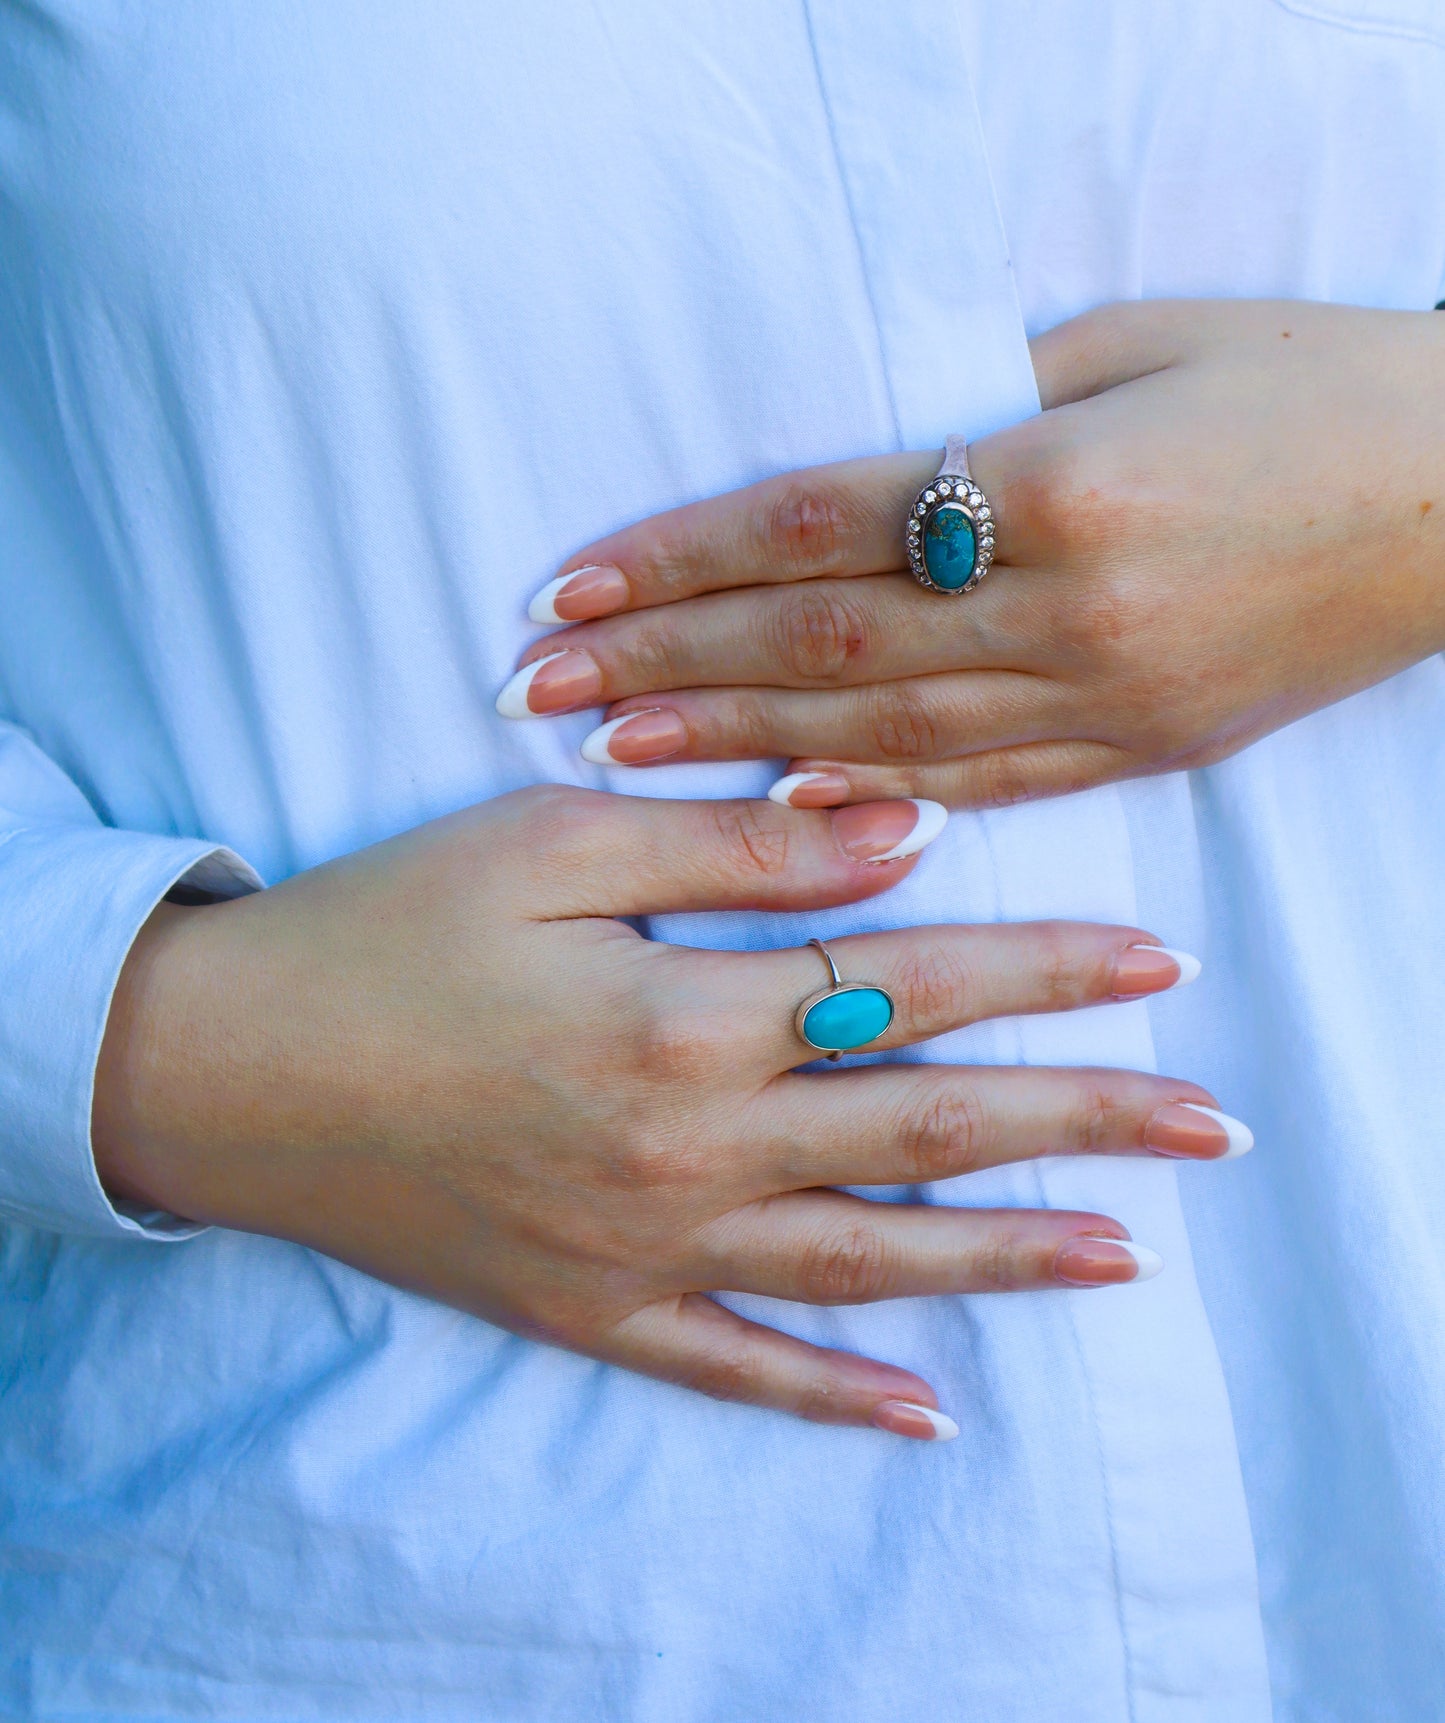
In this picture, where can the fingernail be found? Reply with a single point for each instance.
(635, 739)
(1104, 1262)
(887, 831)
(810, 790)
(905, 1418)
(1144, 969)
(596, 590)
(1188, 1132)
(556, 683)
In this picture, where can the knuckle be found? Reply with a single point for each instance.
(671, 556)
(948, 1136)
(816, 634)
(652, 1165)
(905, 724)
(1083, 493)
(1071, 499)
(560, 823)
(825, 1400)
(1064, 974)
(746, 720)
(544, 804)
(995, 1261)
(1097, 1121)
(674, 1045)
(807, 526)
(726, 1373)
(649, 649)
(846, 1265)
(752, 841)
(580, 1313)
(935, 986)
(1000, 779)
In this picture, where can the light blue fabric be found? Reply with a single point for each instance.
(326, 330)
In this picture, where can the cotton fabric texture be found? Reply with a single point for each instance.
(326, 331)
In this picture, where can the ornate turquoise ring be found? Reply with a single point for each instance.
(949, 535)
(843, 1016)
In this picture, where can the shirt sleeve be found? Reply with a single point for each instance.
(73, 895)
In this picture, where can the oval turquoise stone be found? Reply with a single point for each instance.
(949, 547)
(848, 1019)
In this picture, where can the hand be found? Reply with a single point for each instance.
(441, 1060)
(1230, 515)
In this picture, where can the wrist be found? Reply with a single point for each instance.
(1421, 467)
(151, 1069)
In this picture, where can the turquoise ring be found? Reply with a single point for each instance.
(843, 1016)
(949, 535)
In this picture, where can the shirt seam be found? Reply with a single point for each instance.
(1131, 1679)
(1395, 29)
(860, 250)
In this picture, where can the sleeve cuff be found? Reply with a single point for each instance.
(72, 900)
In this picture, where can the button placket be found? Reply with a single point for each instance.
(912, 156)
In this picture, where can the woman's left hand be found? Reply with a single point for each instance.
(1229, 515)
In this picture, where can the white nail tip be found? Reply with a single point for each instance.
(1189, 966)
(1241, 1138)
(783, 789)
(1150, 1262)
(594, 747)
(932, 818)
(512, 701)
(543, 608)
(944, 1428)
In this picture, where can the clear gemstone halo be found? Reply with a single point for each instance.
(950, 538)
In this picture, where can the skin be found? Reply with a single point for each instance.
(1229, 515)
(445, 1060)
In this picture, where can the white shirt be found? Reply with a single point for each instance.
(326, 331)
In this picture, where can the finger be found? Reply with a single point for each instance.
(699, 1344)
(911, 1124)
(991, 778)
(842, 519)
(944, 978)
(1112, 345)
(601, 855)
(826, 1247)
(820, 633)
(925, 718)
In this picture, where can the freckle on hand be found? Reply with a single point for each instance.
(1425, 508)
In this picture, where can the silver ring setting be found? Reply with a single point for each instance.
(949, 535)
(843, 1016)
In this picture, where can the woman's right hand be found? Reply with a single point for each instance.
(443, 1060)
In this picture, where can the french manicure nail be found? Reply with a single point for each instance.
(635, 739)
(810, 790)
(1141, 969)
(1188, 1132)
(557, 683)
(887, 831)
(906, 1418)
(585, 593)
(1104, 1262)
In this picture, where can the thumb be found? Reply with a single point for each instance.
(1112, 345)
(588, 853)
